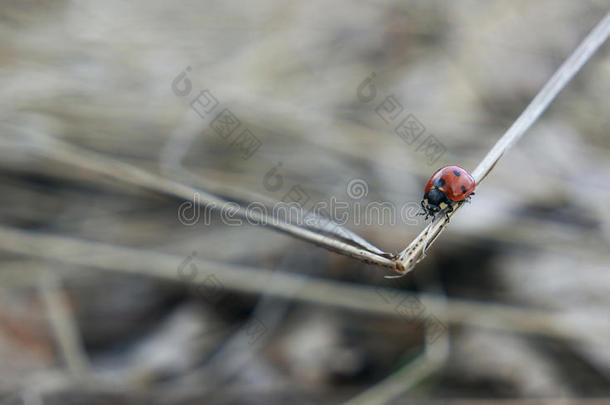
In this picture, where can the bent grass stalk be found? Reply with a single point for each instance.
(99, 164)
(401, 264)
(416, 250)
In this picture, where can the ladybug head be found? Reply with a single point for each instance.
(434, 201)
(435, 197)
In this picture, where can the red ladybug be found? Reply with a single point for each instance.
(447, 185)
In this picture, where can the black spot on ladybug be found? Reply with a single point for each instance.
(463, 189)
(457, 173)
(440, 182)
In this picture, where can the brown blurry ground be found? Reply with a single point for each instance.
(106, 297)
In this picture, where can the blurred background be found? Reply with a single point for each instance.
(111, 293)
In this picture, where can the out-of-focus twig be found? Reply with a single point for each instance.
(415, 252)
(325, 292)
(407, 377)
(399, 382)
(63, 324)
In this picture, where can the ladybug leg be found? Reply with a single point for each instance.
(448, 210)
(425, 211)
(423, 208)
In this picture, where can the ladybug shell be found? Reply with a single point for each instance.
(454, 181)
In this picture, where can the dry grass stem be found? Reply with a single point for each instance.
(344, 242)
(99, 164)
(416, 251)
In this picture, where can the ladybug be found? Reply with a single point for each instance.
(448, 185)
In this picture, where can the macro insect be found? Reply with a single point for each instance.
(448, 185)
